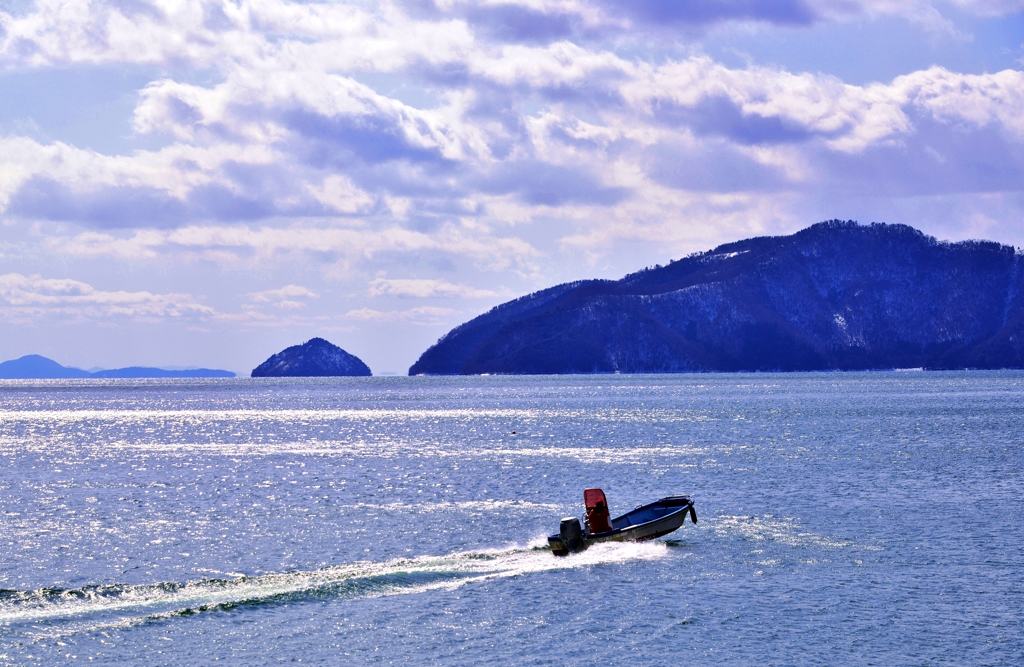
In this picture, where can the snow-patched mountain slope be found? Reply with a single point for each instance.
(837, 295)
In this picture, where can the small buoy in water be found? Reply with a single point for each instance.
(513, 432)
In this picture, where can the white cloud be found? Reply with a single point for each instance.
(219, 33)
(268, 243)
(161, 31)
(377, 37)
(425, 288)
(290, 138)
(31, 297)
(254, 107)
(992, 7)
(175, 170)
(289, 297)
(974, 99)
(338, 193)
(241, 138)
(846, 117)
(920, 12)
(420, 315)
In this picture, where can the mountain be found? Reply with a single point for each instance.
(35, 367)
(314, 358)
(835, 296)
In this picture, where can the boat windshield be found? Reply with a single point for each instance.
(597, 510)
(591, 497)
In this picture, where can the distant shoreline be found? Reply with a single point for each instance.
(497, 377)
(37, 367)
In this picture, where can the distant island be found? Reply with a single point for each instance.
(36, 367)
(835, 296)
(314, 358)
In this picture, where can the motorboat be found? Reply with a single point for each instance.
(645, 522)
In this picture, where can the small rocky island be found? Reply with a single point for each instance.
(314, 358)
(835, 296)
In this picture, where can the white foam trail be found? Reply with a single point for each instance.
(458, 570)
(465, 505)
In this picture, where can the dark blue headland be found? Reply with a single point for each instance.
(835, 296)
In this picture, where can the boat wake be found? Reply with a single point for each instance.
(116, 605)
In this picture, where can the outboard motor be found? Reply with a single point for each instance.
(571, 532)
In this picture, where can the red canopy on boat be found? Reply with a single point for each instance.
(597, 510)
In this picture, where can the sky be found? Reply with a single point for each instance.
(204, 182)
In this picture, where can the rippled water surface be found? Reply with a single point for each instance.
(858, 519)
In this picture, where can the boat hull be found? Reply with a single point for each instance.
(643, 523)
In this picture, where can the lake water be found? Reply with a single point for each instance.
(845, 518)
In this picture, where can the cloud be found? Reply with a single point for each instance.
(271, 106)
(969, 99)
(157, 188)
(289, 297)
(339, 194)
(933, 161)
(546, 21)
(703, 12)
(216, 33)
(766, 106)
(81, 30)
(27, 298)
(426, 288)
(388, 37)
(716, 166)
(294, 143)
(32, 299)
(420, 315)
(520, 23)
(272, 243)
(362, 176)
(991, 7)
(543, 184)
(289, 133)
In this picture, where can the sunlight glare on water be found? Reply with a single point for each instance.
(855, 518)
